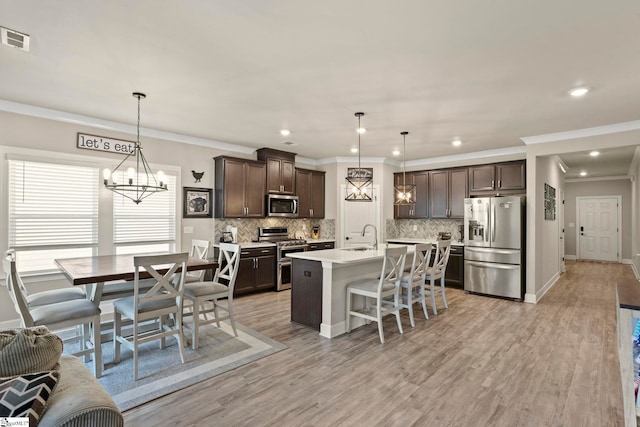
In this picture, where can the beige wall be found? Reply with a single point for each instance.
(598, 188)
(549, 173)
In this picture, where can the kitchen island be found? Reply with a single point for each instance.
(319, 283)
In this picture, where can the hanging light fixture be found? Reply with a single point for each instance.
(359, 181)
(139, 182)
(404, 193)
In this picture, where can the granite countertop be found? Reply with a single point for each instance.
(346, 255)
(414, 240)
(320, 240)
(249, 245)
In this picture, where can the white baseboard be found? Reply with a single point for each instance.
(530, 298)
(635, 271)
(572, 257)
(541, 293)
(627, 261)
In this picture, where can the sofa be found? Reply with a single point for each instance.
(50, 388)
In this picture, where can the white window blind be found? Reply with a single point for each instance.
(148, 226)
(53, 212)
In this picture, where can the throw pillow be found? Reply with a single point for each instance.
(26, 350)
(26, 395)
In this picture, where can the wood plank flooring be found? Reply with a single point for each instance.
(482, 362)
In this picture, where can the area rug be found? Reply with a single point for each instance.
(161, 372)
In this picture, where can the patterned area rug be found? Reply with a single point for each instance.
(161, 372)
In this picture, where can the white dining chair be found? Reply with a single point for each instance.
(412, 282)
(384, 291)
(221, 288)
(58, 316)
(437, 271)
(160, 302)
(199, 249)
(47, 297)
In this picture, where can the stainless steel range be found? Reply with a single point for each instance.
(284, 245)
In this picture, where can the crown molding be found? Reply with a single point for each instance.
(78, 119)
(582, 133)
(519, 152)
(601, 178)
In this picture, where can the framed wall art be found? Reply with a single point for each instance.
(549, 202)
(197, 202)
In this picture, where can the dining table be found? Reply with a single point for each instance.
(95, 272)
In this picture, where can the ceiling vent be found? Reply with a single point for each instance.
(15, 39)
(289, 143)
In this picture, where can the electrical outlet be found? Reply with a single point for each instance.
(188, 230)
(415, 228)
(304, 226)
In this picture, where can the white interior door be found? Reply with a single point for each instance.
(355, 215)
(561, 229)
(598, 228)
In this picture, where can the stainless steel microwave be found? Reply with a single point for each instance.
(282, 205)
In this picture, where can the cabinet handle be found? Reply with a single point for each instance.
(492, 183)
(311, 212)
(265, 251)
(255, 264)
(499, 183)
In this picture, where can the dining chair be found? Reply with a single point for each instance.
(436, 271)
(163, 300)
(201, 293)
(57, 316)
(50, 296)
(199, 249)
(412, 282)
(380, 290)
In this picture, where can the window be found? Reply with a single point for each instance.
(53, 213)
(147, 227)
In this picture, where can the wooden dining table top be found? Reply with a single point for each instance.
(106, 268)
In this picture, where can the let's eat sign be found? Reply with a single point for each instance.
(101, 143)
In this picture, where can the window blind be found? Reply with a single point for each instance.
(53, 209)
(151, 221)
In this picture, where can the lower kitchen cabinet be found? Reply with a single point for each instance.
(454, 274)
(306, 293)
(257, 270)
(321, 246)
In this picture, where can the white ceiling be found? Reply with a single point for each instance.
(237, 72)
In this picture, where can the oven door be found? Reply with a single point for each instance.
(284, 265)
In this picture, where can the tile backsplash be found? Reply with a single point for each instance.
(248, 228)
(425, 228)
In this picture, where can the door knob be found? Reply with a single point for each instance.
(347, 238)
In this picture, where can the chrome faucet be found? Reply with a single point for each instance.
(375, 234)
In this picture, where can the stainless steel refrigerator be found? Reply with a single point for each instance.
(494, 242)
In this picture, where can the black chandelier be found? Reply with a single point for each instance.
(140, 182)
(404, 193)
(359, 181)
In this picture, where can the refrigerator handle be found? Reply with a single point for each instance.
(486, 235)
(493, 223)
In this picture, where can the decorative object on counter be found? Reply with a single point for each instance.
(140, 181)
(197, 202)
(404, 193)
(197, 175)
(444, 235)
(359, 181)
(315, 232)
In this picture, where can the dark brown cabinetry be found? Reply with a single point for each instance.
(310, 191)
(306, 293)
(454, 274)
(257, 270)
(498, 178)
(447, 190)
(280, 170)
(419, 210)
(321, 246)
(239, 188)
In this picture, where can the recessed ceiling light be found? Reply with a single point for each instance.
(579, 91)
(583, 173)
(456, 143)
(285, 132)
(396, 152)
(354, 150)
(361, 130)
(594, 153)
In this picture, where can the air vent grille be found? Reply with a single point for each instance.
(289, 143)
(15, 39)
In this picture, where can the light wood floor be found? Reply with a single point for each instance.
(483, 362)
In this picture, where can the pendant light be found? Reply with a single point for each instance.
(404, 193)
(139, 182)
(359, 181)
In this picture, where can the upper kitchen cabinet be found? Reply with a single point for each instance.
(310, 191)
(280, 170)
(447, 191)
(419, 210)
(240, 188)
(499, 178)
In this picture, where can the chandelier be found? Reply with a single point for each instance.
(139, 182)
(404, 193)
(359, 181)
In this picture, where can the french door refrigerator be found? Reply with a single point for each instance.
(494, 240)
